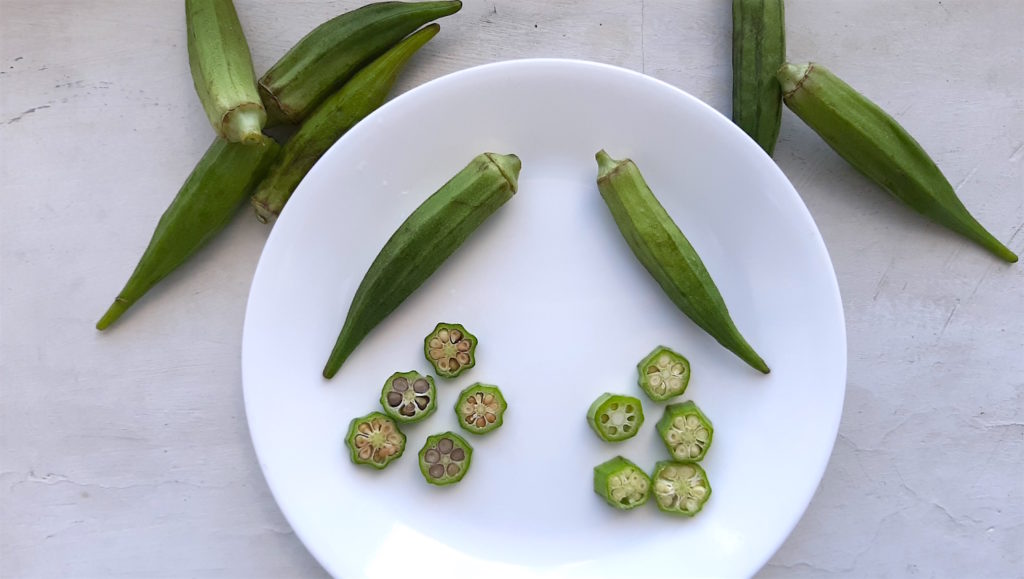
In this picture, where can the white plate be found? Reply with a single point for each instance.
(563, 312)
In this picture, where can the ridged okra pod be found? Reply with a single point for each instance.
(218, 55)
(422, 243)
(877, 146)
(666, 253)
(360, 96)
(211, 195)
(329, 55)
(758, 50)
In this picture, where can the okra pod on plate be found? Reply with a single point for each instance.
(329, 55)
(680, 488)
(374, 440)
(880, 148)
(621, 483)
(360, 96)
(409, 396)
(758, 50)
(422, 243)
(451, 349)
(445, 458)
(210, 197)
(615, 417)
(667, 255)
(686, 431)
(218, 55)
(663, 374)
(480, 408)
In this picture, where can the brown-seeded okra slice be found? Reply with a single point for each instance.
(409, 396)
(621, 483)
(374, 440)
(615, 417)
(680, 488)
(445, 458)
(663, 374)
(480, 408)
(451, 349)
(686, 431)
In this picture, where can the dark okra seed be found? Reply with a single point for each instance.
(445, 458)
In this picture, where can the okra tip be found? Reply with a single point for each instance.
(245, 125)
(791, 76)
(605, 164)
(114, 312)
(509, 165)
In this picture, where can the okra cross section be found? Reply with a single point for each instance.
(409, 396)
(621, 483)
(615, 417)
(374, 440)
(451, 349)
(445, 458)
(680, 488)
(663, 374)
(686, 431)
(480, 408)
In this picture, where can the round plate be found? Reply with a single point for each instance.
(563, 312)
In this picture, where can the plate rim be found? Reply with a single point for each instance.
(819, 245)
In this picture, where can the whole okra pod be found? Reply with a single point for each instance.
(360, 96)
(329, 55)
(758, 50)
(876, 145)
(211, 195)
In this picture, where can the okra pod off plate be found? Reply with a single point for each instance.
(563, 312)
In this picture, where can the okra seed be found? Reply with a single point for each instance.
(463, 346)
(456, 336)
(604, 418)
(664, 361)
(422, 401)
(436, 354)
(436, 471)
(481, 422)
(408, 410)
(445, 445)
(490, 417)
(453, 469)
(458, 454)
(364, 428)
(400, 384)
(443, 335)
(432, 456)
(365, 452)
(435, 343)
(462, 358)
(394, 398)
(454, 365)
(655, 380)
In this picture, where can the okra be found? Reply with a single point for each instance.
(409, 396)
(665, 252)
(663, 374)
(327, 57)
(480, 408)
(686, 431)
(451, 349)
(615, 417)
(360, 96)
(758, 50)
(445, 458)
(680, 488)
(218, 55)
(422, 243)
(880, 148)
(622, 484)
(374, 440)
(207, 201)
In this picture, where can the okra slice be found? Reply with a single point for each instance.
(480, 408)
(663, 374)
(445, 458)
(375, 440)
(451, 349)
(409, 396)
(680, 488)
(615, 417)
(685, 431)
(622, 484)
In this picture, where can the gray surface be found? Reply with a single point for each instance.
(127, 453)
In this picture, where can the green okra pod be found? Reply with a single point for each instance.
(758, 50)
(445, 458)
(876, 145)
(621, 483)
(360, 96)
(211, 195)
(329, 55)
(218, 55)
(666, 253)
(481, 408)
(680, 488)
(422, 243)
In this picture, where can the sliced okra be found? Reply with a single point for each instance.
(445, 458)
(480, 408)
(663, 374)
(409, 396)
(451, 349)
(622, 484)
(686, 431)
(615, 417)
(375, 440)
(680, 488)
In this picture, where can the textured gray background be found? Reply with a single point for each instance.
(127, 454)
